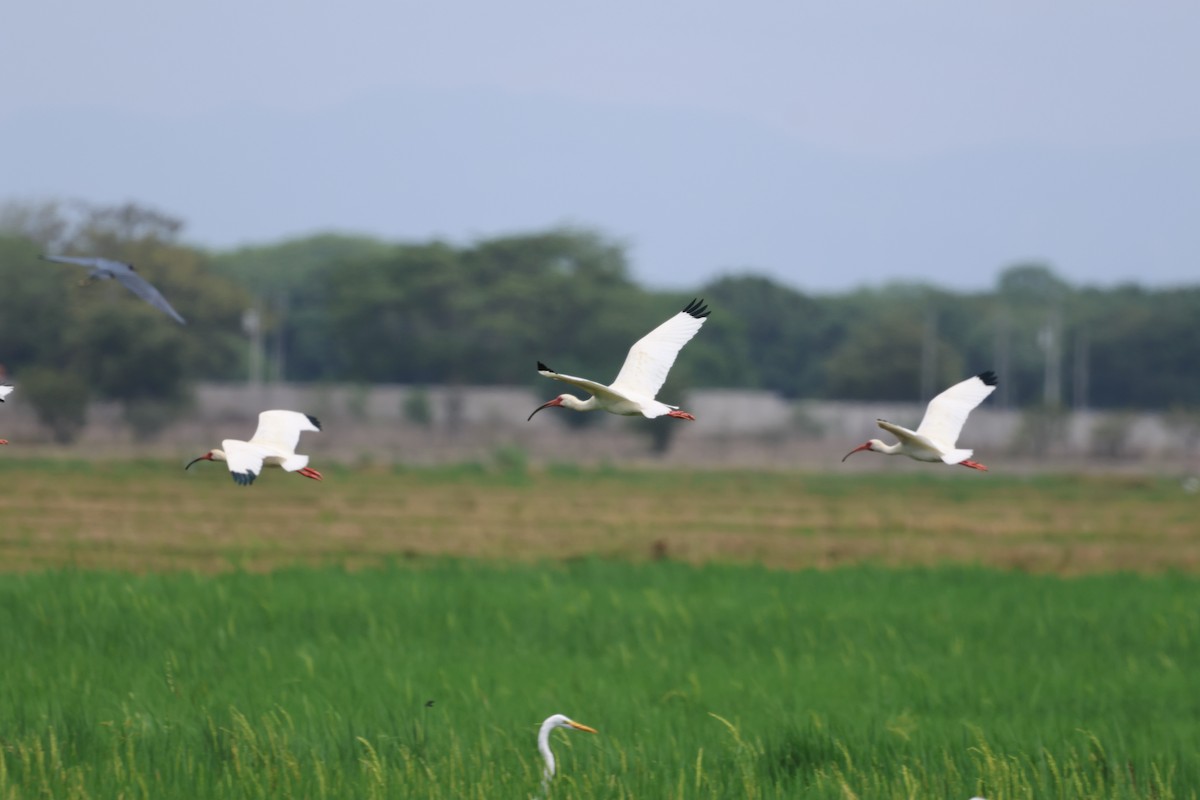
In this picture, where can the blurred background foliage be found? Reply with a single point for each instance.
(349, 308)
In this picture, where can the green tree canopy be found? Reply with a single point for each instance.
(354, 308)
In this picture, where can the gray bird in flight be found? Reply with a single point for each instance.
(104, 268)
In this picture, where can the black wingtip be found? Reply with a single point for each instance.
(543, 368)
(316, 422)
(243, 478)
(696, 308)
(989, 378)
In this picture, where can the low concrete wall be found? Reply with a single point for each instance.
(406, 424)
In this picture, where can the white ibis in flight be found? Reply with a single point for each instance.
(126, 275)
(5, 391)
(552, 722)
(643, 374)
(273, 445)
(934, 438)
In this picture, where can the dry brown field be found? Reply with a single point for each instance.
(147, 515)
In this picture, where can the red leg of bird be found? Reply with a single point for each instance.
(309, 472)
(973, 465)
(681, 415)
(3, 441)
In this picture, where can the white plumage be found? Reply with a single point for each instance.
(644, 372)
(550, 723)
(935, 438)
(5, 391)
(272, 445)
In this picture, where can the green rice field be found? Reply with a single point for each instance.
(403, 633)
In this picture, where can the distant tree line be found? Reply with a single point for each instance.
(358, 309)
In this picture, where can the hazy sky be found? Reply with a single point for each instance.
(826, 144)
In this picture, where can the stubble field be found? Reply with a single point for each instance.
(729, 634)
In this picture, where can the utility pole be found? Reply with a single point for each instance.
(1050, 339)
(279, 343)
(929, 355)
(252, 325)
(1081, 376)
(1002, 356)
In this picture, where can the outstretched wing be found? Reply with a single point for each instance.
(5, 391)
(911, 438)
(946, 414)
(145, 290)
(650, 359)
(244, 459)
(280, 430)
(591, 387)
(90, 263)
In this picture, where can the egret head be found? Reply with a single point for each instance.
(873, 444)
(563, 721)
(558, 401)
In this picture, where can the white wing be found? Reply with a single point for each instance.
(911, 438)
(650, 359)
(280, 430)
(244, 459)
(591, 387)
(5, 391)
(946, 414)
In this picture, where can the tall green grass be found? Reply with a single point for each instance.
(707, 682)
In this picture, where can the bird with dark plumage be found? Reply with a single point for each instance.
(126, 275)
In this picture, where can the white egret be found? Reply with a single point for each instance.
(935, 437)
(273, 445)
(643, 374)
(552, 722)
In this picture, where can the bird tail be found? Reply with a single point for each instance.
(955, 456)
(300, 462)
(656, 409)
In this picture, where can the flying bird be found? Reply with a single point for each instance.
(934, 438)
(273, 445)
(643, 374)
(5, 391)
(104, 269)
(552, 722)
